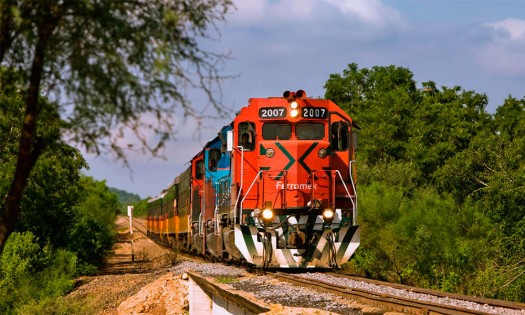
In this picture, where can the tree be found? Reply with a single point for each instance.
(490, 174)
(125, 199)
(106, 64)
(400, 123)
(54, 189)
(380, 101)
(442, 125)
(58, 161)
(442, 183)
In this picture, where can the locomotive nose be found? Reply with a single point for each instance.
(294, 173)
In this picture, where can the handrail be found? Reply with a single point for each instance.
(216, 211)
(354, 210)
(200, 226)
(355, 191)
(249, 188)
(354, 203)
(240, 188)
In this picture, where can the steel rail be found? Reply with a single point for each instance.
(381, 300)
(139, 224)
(484, 301)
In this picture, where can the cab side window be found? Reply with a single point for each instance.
(213, 159)
(339, 132)
(198, 169)
(247, 136)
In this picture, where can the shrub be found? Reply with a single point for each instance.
(30, 273)
(91, 239)
(424, 239)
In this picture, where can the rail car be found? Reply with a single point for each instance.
(276, 188)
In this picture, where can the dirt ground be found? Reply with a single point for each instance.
(143, 285)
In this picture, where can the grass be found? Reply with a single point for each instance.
(226, 279)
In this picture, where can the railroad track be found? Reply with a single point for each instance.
(140, 225)
(416, 301)
(388, 296)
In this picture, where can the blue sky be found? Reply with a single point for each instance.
(278, 45)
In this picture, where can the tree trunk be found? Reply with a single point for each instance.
(30, 147)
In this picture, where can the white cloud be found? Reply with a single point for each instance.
(508, 30)
(504, 54)
(260, 11)
(371, 12)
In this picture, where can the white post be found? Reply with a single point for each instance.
(130, 215)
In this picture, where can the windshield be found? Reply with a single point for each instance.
(309, 131)
(276, 131)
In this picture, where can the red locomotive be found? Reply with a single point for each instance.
(275, 188)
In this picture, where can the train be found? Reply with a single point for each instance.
(276, 188)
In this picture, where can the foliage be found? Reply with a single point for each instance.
(115, 60)
(441, 183)
(379, 100)
(424, 240)
(92, 235)
(106, 65)
(58, 161)
(66, 221)
(10, 98)
(140, 209)
(91, 240)
(53, 190)
(98, 201)
(401, 123)
(30, 273)
(125, 198)
(58, 202)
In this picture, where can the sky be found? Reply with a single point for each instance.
(279, 45)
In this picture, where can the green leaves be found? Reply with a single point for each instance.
(442, 183)
(30, 273)
(92, 234)
(423, 240)
(400, 122)
(118, 60)
(114, 70)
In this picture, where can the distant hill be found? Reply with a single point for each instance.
(125, 197)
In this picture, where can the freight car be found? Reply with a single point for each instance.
(275, 189)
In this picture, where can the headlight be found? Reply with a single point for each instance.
(267, 214)
(294, 113)
(328, 214)
(270, 152)
(294, 105)
(322, 153)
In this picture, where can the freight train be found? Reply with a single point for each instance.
(276, 188)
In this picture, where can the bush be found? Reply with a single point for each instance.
(55, 306)
(30, 274)
(91, 239)
(423, 239)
